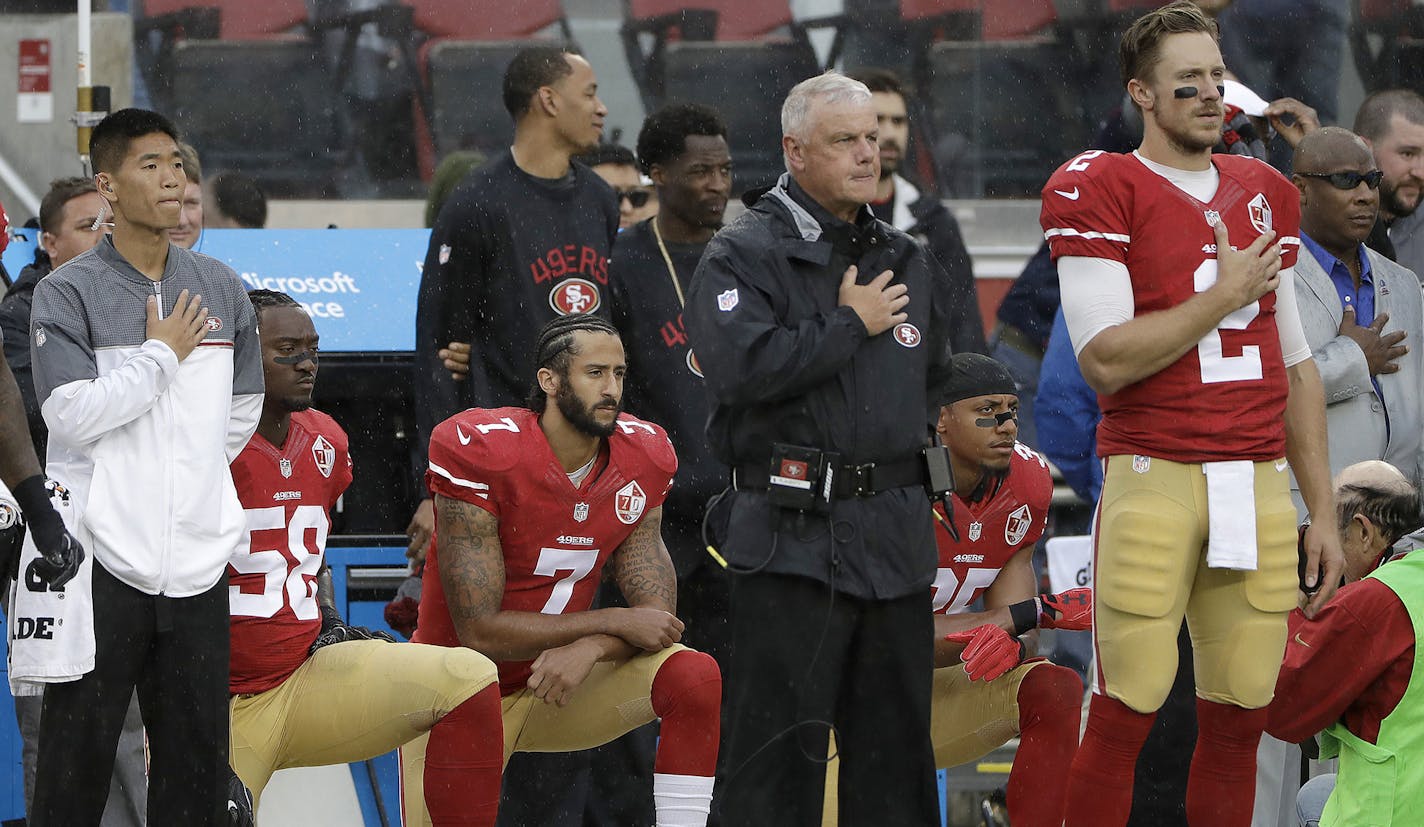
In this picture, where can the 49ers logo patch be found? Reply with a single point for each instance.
(907, 334)
(629, 503)
(1017, 526)
(574, 296)
(214, 324)
(324, 453)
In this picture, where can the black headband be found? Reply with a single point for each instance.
(973, 374)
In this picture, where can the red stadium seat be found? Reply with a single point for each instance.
(241, 19)
(737, 20)
(462, 64)
(486, 19)
(1000, 19)
(708, 52)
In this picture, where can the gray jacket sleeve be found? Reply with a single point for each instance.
(78, 405)
(247, 383)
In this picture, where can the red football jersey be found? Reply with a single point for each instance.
(1225, 398)
(991, 532)
(288, 493)
(555, 537)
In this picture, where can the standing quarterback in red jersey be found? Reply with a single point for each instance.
(1176, 274)
(531, 504)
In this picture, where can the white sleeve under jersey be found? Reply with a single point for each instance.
(1097, 294)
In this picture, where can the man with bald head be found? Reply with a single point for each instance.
(1361, 312)
(1349, 670)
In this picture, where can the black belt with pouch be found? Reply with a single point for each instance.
(808, 479)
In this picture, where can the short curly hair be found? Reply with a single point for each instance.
(663, 137)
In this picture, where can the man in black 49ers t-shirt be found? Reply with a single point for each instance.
(522, 239)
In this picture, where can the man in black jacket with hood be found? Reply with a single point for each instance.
(822, 332)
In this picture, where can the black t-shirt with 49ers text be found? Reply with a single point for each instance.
(664, 382)
(509, 252)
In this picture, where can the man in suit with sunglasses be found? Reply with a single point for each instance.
(1361, 312)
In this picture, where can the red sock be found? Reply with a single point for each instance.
(1050, 706)
(687, 696)
(463, 762)
(1221, 789)
(1100, 783)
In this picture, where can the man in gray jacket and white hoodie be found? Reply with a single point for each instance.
(149, 373)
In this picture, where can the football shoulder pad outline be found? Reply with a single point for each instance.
(650, 439)
(479, 439)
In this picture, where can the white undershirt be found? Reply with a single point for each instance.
(577, 476)
(1097, 292)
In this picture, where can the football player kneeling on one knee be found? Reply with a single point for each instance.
(308, 689)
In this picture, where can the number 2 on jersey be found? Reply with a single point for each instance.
(1215, 366)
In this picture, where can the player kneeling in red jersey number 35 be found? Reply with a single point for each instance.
(986, 691)
(307, 689)
(531, 504)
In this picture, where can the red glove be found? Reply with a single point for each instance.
(989, 651)
(1071, 610)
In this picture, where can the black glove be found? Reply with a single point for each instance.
(60, 553)
(335, 630)
(239, 802)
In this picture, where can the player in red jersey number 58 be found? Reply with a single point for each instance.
(307, 689)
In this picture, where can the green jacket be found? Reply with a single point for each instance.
(1382, 784)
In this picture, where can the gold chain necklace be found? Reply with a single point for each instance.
(667, 259)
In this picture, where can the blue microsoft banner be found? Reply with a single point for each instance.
(359, 285)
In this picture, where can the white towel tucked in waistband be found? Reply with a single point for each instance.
(1231, 514)
(51, 634)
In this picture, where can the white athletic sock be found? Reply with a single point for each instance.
(682, 800)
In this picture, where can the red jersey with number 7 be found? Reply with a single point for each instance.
(555, 537)
(288, 493)
(1225, 398)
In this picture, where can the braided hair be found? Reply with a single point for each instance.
(555, 349)
(263, 299)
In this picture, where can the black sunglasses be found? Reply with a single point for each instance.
(1347, 180)
(637, 199)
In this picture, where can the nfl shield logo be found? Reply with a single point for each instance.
(1140, 464)
(580, 512)
(285, 466)
(629, 503)
(727, 300)
(1212, 217)
(1017, 526)
(325, 455)
(976, 529)
(1260, 210)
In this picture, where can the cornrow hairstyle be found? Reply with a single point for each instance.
(263, 299)
(555, 349)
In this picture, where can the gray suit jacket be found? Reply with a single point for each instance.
(1407, 235)
(1355, 415)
